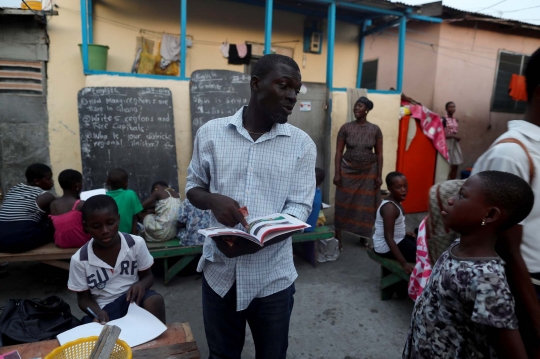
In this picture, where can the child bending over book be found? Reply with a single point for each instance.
(66, 212)
(390, 239)
(113, 269)
(161, 225)
(467, 309)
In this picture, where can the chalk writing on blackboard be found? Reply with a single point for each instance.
(130, 128)
(215, 94)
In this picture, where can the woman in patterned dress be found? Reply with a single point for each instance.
(452, 140)
(358, 173)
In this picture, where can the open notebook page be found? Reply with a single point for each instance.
(138, 327)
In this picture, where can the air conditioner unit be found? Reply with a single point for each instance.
(315, 45)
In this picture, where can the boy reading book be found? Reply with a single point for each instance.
(113, 269)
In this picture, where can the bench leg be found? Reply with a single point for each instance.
(177, 267)
(388, 283)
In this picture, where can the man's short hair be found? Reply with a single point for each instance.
(532, 74)
(391, 177)
(36, 171)
(98, 203)
(269, 62)
(69, 178)
(117, 177)
(511, 193)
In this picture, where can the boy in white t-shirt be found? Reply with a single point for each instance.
(113, 269)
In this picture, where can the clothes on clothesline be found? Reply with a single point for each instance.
(431, 125)
(170, 50)
(518, 88)
(234, 55)
(224, 48)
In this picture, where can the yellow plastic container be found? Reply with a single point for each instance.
(34, 5)
(82, 348)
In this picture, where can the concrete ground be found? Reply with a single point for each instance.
(337, 311)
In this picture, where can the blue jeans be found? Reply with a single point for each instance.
(268, 319)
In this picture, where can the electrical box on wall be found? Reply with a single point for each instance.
(313, 36)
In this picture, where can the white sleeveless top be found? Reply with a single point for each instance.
(379, 243)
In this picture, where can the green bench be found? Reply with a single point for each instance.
(56, 256)
(393, 277)
(172, 249)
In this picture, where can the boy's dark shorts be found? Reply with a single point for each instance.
(119, 307)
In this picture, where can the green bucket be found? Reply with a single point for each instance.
(97, 56)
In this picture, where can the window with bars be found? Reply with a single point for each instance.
(508, 64)
(21, 77)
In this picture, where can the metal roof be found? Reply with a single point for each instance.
(450, 13)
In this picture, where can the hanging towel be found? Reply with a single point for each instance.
(518, 88)
(170, 50)
(242, 50)
(234, 57)
(224, 48)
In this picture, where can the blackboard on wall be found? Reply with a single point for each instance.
(215, 94)
(129, 128)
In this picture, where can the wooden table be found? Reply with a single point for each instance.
(175, 343)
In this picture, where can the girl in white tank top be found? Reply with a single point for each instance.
(392, 240)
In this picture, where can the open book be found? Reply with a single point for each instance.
(262, 229)
(138, 326)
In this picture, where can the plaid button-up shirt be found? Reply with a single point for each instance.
(275, 174)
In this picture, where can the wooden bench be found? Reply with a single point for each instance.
(393, 277)
(55, 256)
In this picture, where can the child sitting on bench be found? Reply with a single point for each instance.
(127, 200)
(24, 224)
(160, 226)
(467, 309)
(113, 269)
(390, 239)
(317, 201)
(66, 212)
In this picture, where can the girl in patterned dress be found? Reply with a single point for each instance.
(467, 309)
(452, 140)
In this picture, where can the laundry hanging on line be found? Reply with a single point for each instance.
(518, 88)
(170, 50)
(234, 56)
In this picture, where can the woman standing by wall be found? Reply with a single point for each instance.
(452, 140)
(358, 173)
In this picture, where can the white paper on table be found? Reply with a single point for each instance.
(94, 192)
(325, 205)
(138, 327)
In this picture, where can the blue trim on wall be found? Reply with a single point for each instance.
(401, 53)
(385, 92)
(435, 20)
(90, 23)
(268, 26)
(361, 53)
(339, 89)
(130, 74)
(331, 43)
(84, 28)
(183, 49)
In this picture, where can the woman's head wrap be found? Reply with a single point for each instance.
(366, 102)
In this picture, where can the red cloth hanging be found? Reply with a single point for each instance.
(518, 88)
